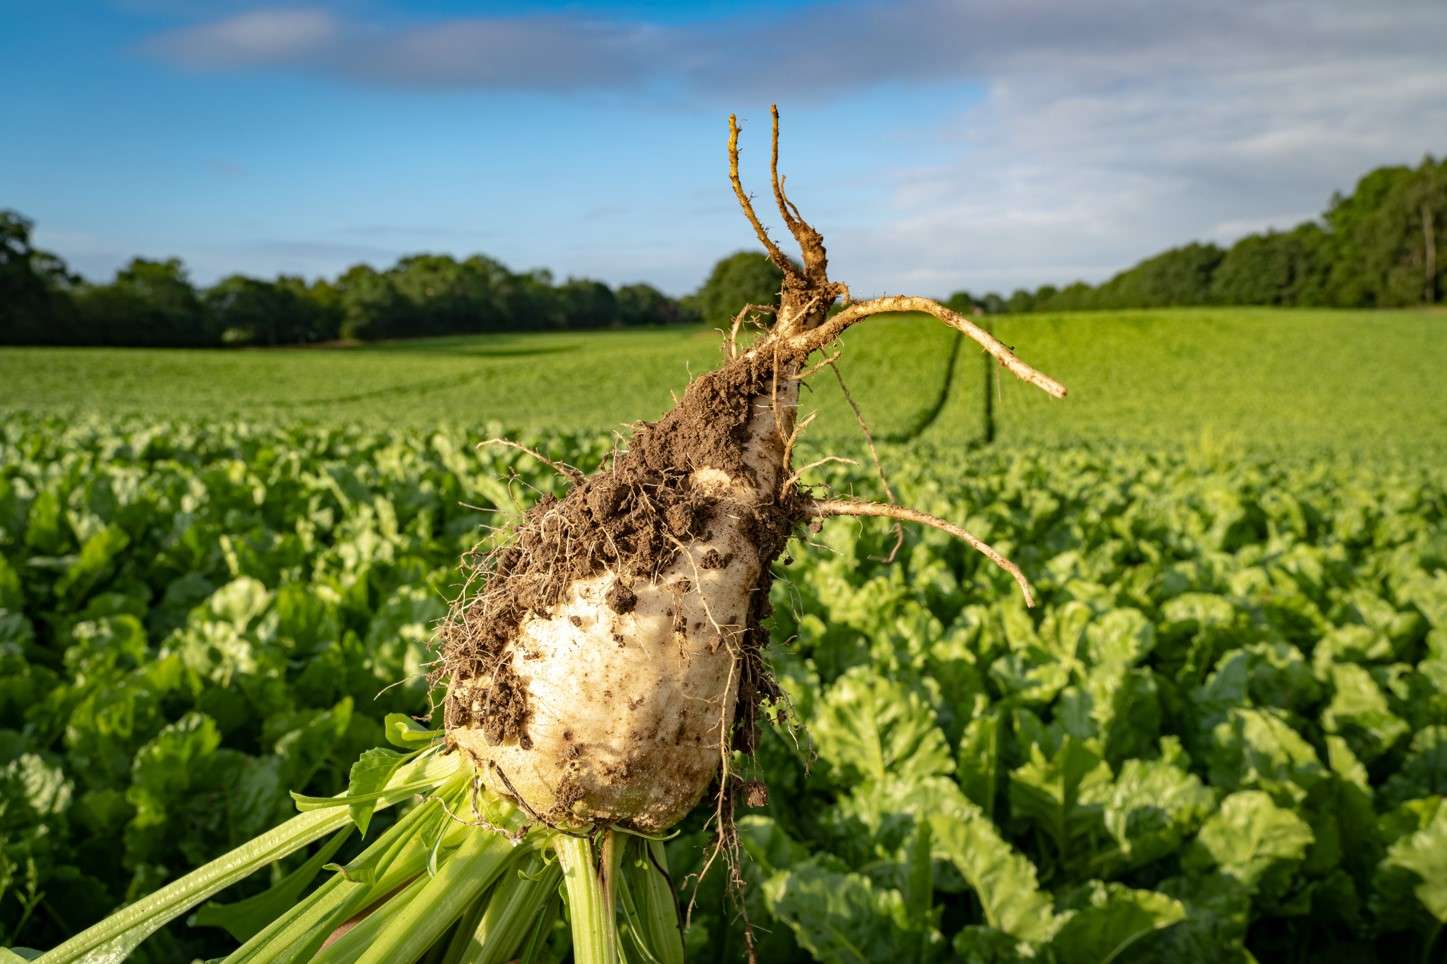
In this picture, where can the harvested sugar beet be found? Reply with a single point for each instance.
(613, 655)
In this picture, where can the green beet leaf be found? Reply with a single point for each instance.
(1251, 840)
(1424, 855)
(1106, 919)
(843, 918)
(869, 728)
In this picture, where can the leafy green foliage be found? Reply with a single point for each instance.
(148, 303)
(742, 278)
(1202, 745)
(1180, 276)
(33, 285)
(1219, 734)
(194, 623)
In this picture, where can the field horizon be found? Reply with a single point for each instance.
(1355, 382)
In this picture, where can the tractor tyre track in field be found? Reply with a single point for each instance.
(942, 397)
(403, 390)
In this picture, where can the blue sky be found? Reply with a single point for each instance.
(938, 144)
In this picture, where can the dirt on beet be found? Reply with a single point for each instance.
(629, 518)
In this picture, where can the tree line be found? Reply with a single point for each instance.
(1374, 247)
(154, 303)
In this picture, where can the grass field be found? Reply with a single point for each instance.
(1353, 382)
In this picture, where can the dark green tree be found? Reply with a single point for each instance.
(250, 311)
(371, 305)
(531, 302)
(1076, 296)
(1275, 268)
(962, 302)
(247, 311)
(447, 296)
(150, 303)
(1347, 219)
(1179, 276)
(496, 311)
(318, 309)
(586, 303)
(743, 278)
(644, 305)
(35, 305)
(1386, 236)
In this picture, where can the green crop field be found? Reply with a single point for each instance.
(1222, 733)
(593, 381)
(1349, 381)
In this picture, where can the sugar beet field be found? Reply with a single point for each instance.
(1354, 382)
(1221, 736)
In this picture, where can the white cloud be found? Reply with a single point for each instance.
(538, 53)
(1107, 131)
(1082, 159)
(257, 37)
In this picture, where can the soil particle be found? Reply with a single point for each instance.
(713, 559)
(456, 713)
(607, 497)
(505, 711)
(756, 794)
(569, 793)
(687, 519)
(620, 598)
